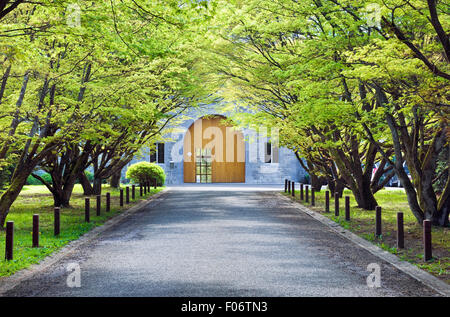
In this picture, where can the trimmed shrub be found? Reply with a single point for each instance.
(145, 171)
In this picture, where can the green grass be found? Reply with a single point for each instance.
(392, 201)
(36, 199)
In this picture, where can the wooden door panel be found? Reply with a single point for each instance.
(222, 171)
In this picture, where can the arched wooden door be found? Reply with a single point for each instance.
(214, 152)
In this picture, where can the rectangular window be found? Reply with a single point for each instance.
(268, 154)
(271, 155)
(203, 170)
(161, 153)
(157, 155)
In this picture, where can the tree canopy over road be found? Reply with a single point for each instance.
(351, 85)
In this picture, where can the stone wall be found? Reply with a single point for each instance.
(256, 170)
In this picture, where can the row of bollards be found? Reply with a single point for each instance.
(142, 188)
(289, 186)
(9, 238)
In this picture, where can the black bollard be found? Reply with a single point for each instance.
(35, 231)
(400, 231)
(285, 185)
(378, 231)
(313, 197)
(9, 240)
(293, 189)
(121, 197)
(87, 207)
(427, 251)
(301, 192)
(327, 201)
(99, 205)
(347, 208)
(336, 204)
(127, 196)
(108, 202)
(133, 192)
(56, 223)
(140, 189)
(306, 193)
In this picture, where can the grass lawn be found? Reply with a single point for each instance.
(38, 200)
(392, 201)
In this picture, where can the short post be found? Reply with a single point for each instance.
(293, 189)
(140, 189)
(313, 197)
(127, 196)
(285, 185)
(301, 192)
(400, 231)
(327, 201)
(133, 192)
(306, 193)
(148, 187)
(121, 197)
(145, 188)
(9, 241)
(35, 231)
(347, 208)
(336, 204)
(427, 253)
(57, 222)
(289, 187)
(378, 230)
(99, 205)
(87, 207)
(108, 202)
(155, 183)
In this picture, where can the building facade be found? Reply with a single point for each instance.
(206, 149)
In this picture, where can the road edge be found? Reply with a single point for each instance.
(423, 277)
(9, 282)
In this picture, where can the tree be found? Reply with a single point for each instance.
(104, 89)
(6, 6)
(289, 66)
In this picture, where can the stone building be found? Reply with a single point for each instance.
(205, 149)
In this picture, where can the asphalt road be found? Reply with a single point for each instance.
(223, 242)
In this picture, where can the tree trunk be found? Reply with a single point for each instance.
(316, 182)
(365, 198)
(87, 187)
(61, 197)
(10, 195)
(440, 217)
(97, 186)
(4, 81)
(331, 184)
(115, 180)
(339, 188)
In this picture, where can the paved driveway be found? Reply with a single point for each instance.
(220, 241)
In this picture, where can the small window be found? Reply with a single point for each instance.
(271, 153)
(268, 154)
(161, 153)
(157, 155)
